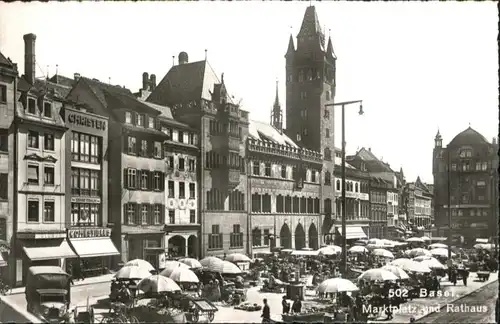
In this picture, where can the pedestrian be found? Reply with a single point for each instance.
(285, 305)
(297, 305)
(465, 275)
(266, 313)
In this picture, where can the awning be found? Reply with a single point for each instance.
(94, 247)
(50, 252)
(481, 240)
(354, 232)
(3, 263)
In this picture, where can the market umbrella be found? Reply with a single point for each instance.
(441, 253)
(210, 261)
(422, 258)
(378, 245)
(158, 284)
(336, 285)
(415, 239)
(373, 241)
(328, 251)
(410, 265)
(400, 273)
(483, 246)
(184, 275)
(132, 273)
(170, 266)
(377, 275)
(425, 238)
(418, 252)
(438, 246)
(238, 257)
(361, 242)
(383, 253)
(140, 263)
(388, 243)
(358, 249)
(225, 267)
(433, 263)
(191, 263)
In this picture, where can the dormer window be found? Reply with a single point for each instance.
(32, 106)
(151, 123)
(128, 117)
(140, 120)
(47, 109)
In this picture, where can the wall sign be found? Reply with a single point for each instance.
(89, 232)
(85, 200)
(87, 121)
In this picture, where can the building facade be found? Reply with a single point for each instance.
(419, 207)
(466, 182)
(378, 207)
(393, 213)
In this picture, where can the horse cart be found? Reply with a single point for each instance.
(201, 307)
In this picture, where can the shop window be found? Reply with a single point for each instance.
(171, 216)
(256, 237)
(48, 176)
(182, 189)
(192, 190)
(48, 212)
(33, 176)
(4, 186)
(33, 211)
(157, 150)
(181, 164)
(171, 189)
(47, 109)
(33, 139)
(236, 239)
(215, 238)
(48, 142)
(132, 149)
(144, 148)
(192, 216)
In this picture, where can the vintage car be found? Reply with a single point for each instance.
(48, 294)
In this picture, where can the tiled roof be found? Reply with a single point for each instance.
(120, 100)
(4, 61)
(265, 132)
(310, 23)
(185, 82)
(62, 80)
(97, 88)
(468, 137)
(165, 113)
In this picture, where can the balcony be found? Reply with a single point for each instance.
(290, 152)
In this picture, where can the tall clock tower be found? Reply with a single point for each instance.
(310, 85)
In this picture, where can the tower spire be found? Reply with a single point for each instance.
(277, 114)
(276, 99)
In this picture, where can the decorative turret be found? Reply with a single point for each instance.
(277, 113)
(291, 48)
(311, 28)
(438, 140)
(329, 50)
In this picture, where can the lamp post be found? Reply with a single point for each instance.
(344, 202)
(449, 210)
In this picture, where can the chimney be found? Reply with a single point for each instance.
(183, 58)
(29, 58)
(370, 149)
(145, 81)
(494, 140)
(76, 77)
(152, 82)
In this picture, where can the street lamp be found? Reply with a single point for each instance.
(449, 210)
(344, 202)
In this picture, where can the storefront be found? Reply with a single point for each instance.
(94, 249)
(353, 233)
(144, 245)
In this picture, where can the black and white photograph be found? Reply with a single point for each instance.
(249, 162)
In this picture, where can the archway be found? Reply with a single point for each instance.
(285, 237)
(177, 246)
(313, 237)
(300, 237)
(192, 247)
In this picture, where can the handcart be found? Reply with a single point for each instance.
(483, 275)
(202, 307)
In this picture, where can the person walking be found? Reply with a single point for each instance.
(266, 313)
(285, 305)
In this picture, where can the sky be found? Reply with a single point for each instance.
(417, 66)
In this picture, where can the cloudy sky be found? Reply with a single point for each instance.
(418, 66)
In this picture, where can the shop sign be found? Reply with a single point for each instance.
(89, 232)
(85, 200)
(86, 121)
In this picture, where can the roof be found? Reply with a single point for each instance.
(372, 163)
(165, 114)
(98, 89)
(468, 137)
(310, 23)
(185, 82)
(62, 80)
(5, 61)
(36, 270)
(265, 132)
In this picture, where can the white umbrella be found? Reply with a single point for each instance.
(377, 275)
(140, 263)
(425, 238)
(410, 265)
(422, 258)
(418, 252)
(184, 275)
(225, 267)
(328, 251)
(438, 246)
(210, 261)
(238, 257)
(378, 245)
(415, 239)
(383, 253)
(373, 241)
(433, 263)
(358, 249)
(157, 284)
(441, 253)
(483, 246)
(132, 272)
(400, 273)
(192, 263)
(336, 285)
(388, 242)
(170, 266)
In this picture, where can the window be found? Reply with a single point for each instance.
(4, 141)
(267, 169)
(48, 176)
(215, 238)
(31, 106)
(157, 180)
(182, 190)
(151, 122)
(299, 138)
(478, 166)
(171, 189)
(157, 150)
(481, 183)
(327, 178)
(303, 95)
(283, 171)
(144, 214)
(140, 120)
(303, 113)
(157, 214)
(3, 93)
(94, 149)
(327, 114)
(128, 117)
(313, 176)
(84, 147)
(131, 178)
(485, 166)
(33, 174)
(180, 137)
(256, 237)
(192, 190)
(266, 237)
(144, 179)
(95, 183)
(170, 160)
(47, 109)
(181, 164)
(4, 186)
(84, 182)
(132, 145)
(256, 168)
(327, 133)
(191, 165)
(337, 185)
(33, 139)
(192, 216)
(304, 131)
(236, 239)
(144, 148)
(453, 167)
(48, 142)
(191, 139)
(171, 216)
(33, 212)
(48, 211)
(130, 214)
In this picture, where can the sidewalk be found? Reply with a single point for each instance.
(84, 282)
(421, 307)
